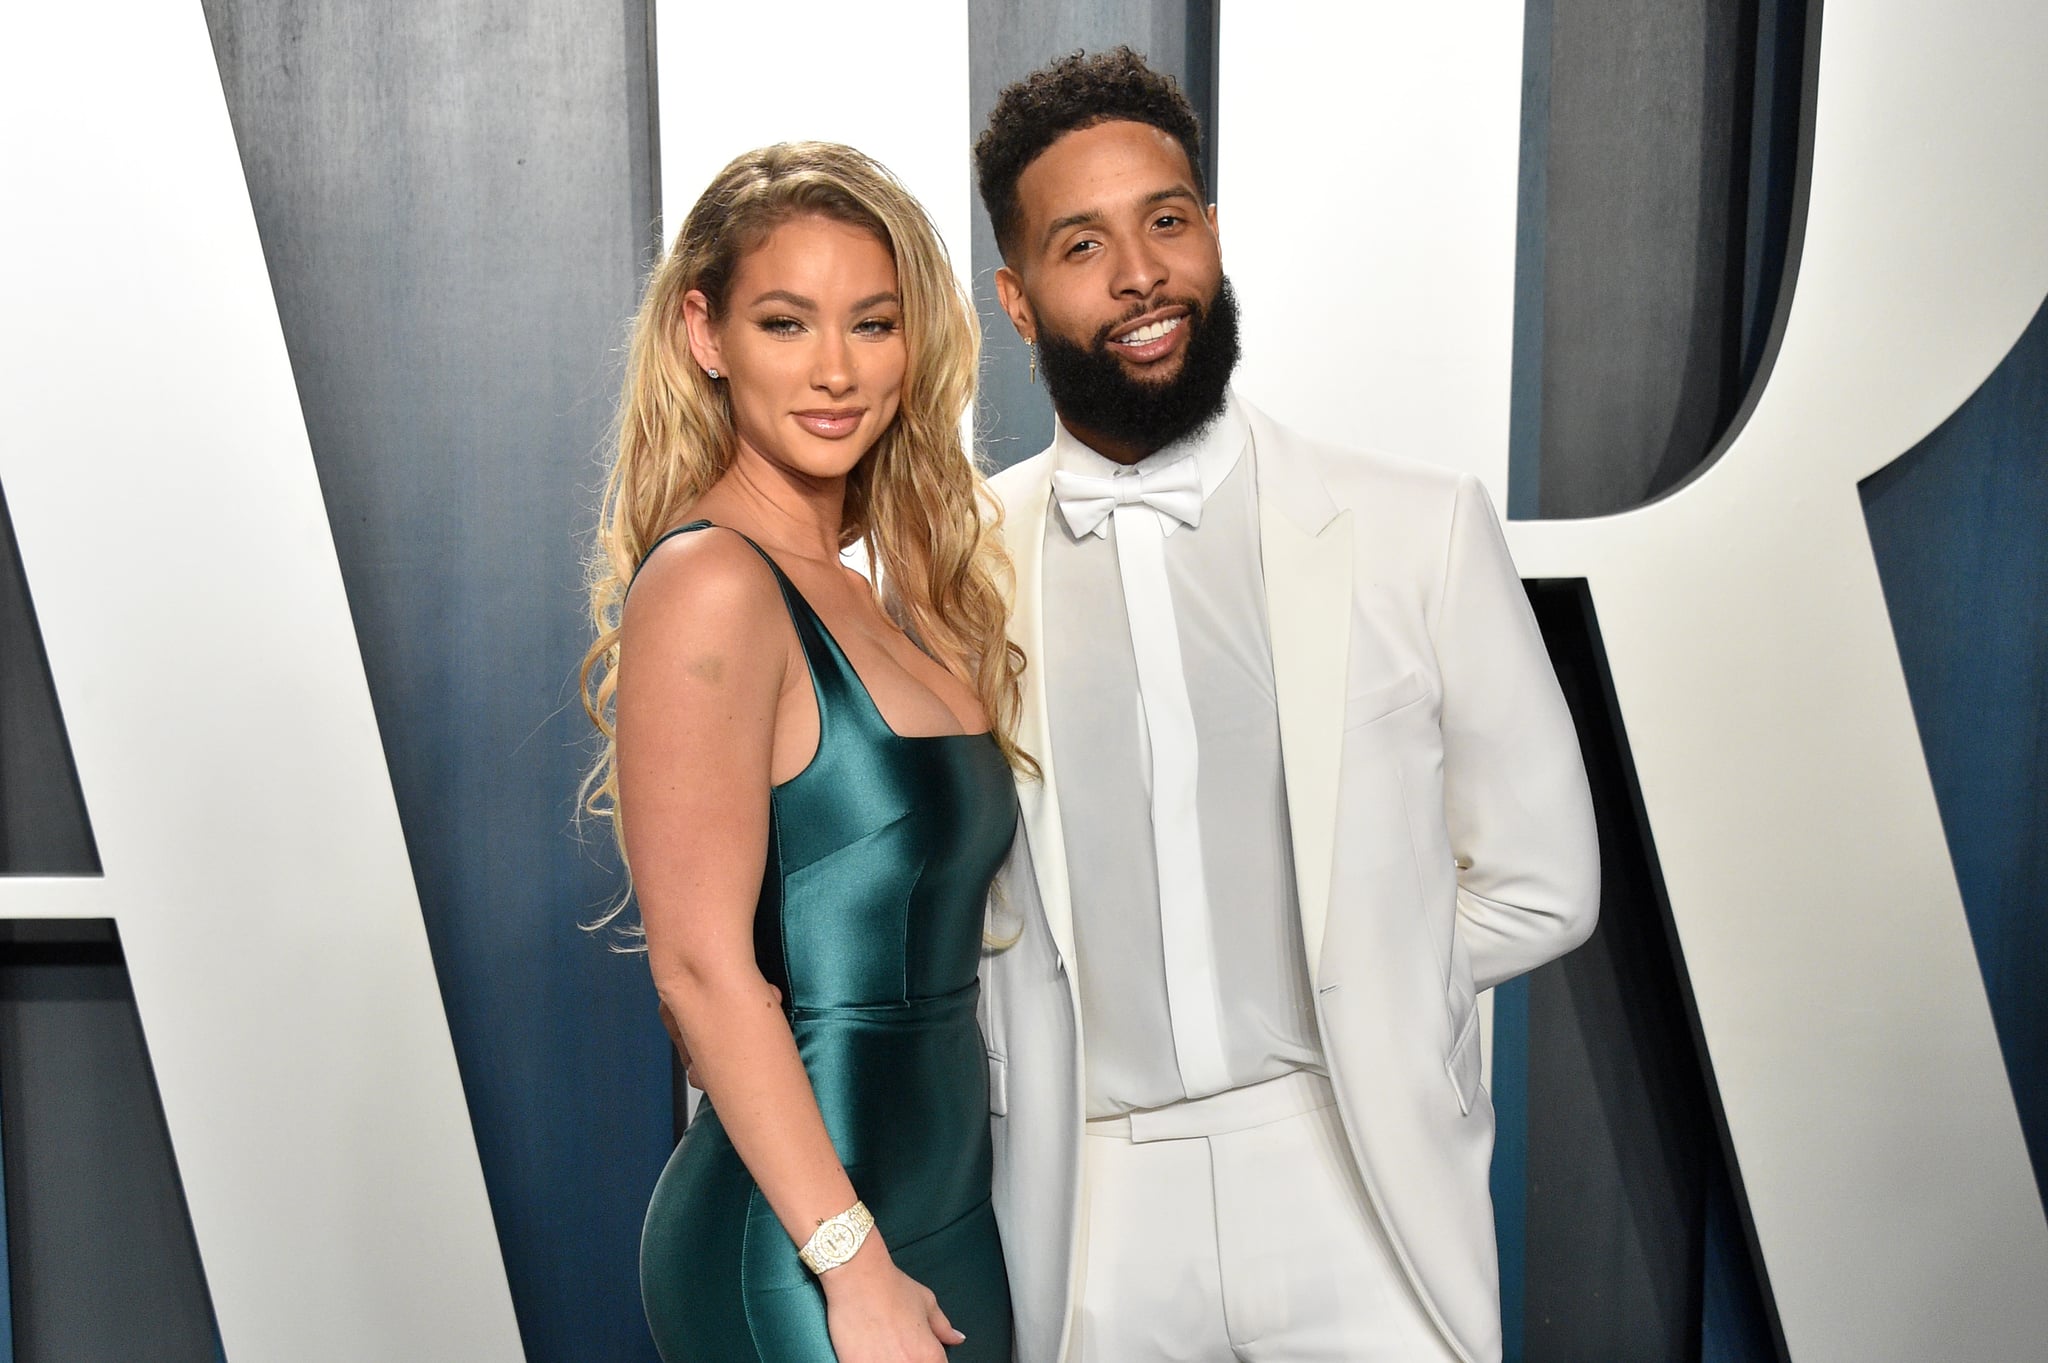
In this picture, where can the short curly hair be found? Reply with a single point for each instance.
(1077, 91)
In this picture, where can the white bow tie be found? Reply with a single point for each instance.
(1087, 501)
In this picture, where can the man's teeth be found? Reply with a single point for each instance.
(1150, 333)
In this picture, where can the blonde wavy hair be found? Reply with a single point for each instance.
(917, 501)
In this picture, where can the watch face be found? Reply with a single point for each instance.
(836, 1242)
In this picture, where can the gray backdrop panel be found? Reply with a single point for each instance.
(43, 825)
(1647, 161)
(454, 199)
(100, 1248)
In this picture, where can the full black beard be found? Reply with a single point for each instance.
(1091, 391)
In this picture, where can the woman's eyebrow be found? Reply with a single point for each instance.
(803, 304)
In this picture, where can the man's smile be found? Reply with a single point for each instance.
(1152, 337)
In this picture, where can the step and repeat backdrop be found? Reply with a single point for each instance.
(311, 320)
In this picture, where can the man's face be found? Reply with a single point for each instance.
(1118, 277)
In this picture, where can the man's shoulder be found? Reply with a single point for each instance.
(1019, 478)
(1362, 477)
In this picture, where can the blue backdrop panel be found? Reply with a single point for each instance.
(455, 201)
(1660, 156)
(1960, 529)
(1621, 1221)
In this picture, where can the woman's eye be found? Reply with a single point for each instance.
(876, 326)
(781, 326)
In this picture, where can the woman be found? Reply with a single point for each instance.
(811, 783)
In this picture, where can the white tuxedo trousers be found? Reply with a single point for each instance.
(1234, 1229)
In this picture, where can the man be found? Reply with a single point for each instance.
(1308, 785)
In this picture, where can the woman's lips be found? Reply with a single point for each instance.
(831, 423)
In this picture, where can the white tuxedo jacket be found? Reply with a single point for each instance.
(1443, 842)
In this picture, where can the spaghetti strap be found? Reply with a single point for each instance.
(792, 600)
(841, 695)
(665, 536)
(685, 529)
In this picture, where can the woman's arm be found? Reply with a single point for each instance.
(707, 661)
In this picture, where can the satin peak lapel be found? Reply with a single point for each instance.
(1024, 536)
(1305, 551)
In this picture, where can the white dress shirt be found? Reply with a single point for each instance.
(1201, 986)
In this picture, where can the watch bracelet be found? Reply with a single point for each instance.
(837, 1239)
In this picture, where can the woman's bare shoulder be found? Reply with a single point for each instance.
(707, 589)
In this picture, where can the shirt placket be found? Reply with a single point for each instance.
(1193, 1002)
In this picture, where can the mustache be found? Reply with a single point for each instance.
(1137, 310)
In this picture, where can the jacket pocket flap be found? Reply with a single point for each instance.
(1367, 706)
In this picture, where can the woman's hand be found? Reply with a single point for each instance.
(878, 1314)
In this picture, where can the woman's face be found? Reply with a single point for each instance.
(810, 347)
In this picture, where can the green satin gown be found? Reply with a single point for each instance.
(880, 854)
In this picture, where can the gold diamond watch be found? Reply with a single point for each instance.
(837, 1238)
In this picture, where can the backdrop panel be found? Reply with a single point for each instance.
(176, 548)
(1960, 530)
(455, 201)
(1838, 990)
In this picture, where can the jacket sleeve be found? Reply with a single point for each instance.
(1515, 798)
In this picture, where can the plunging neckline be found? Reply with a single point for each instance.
(867, 696)
(817, 695)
